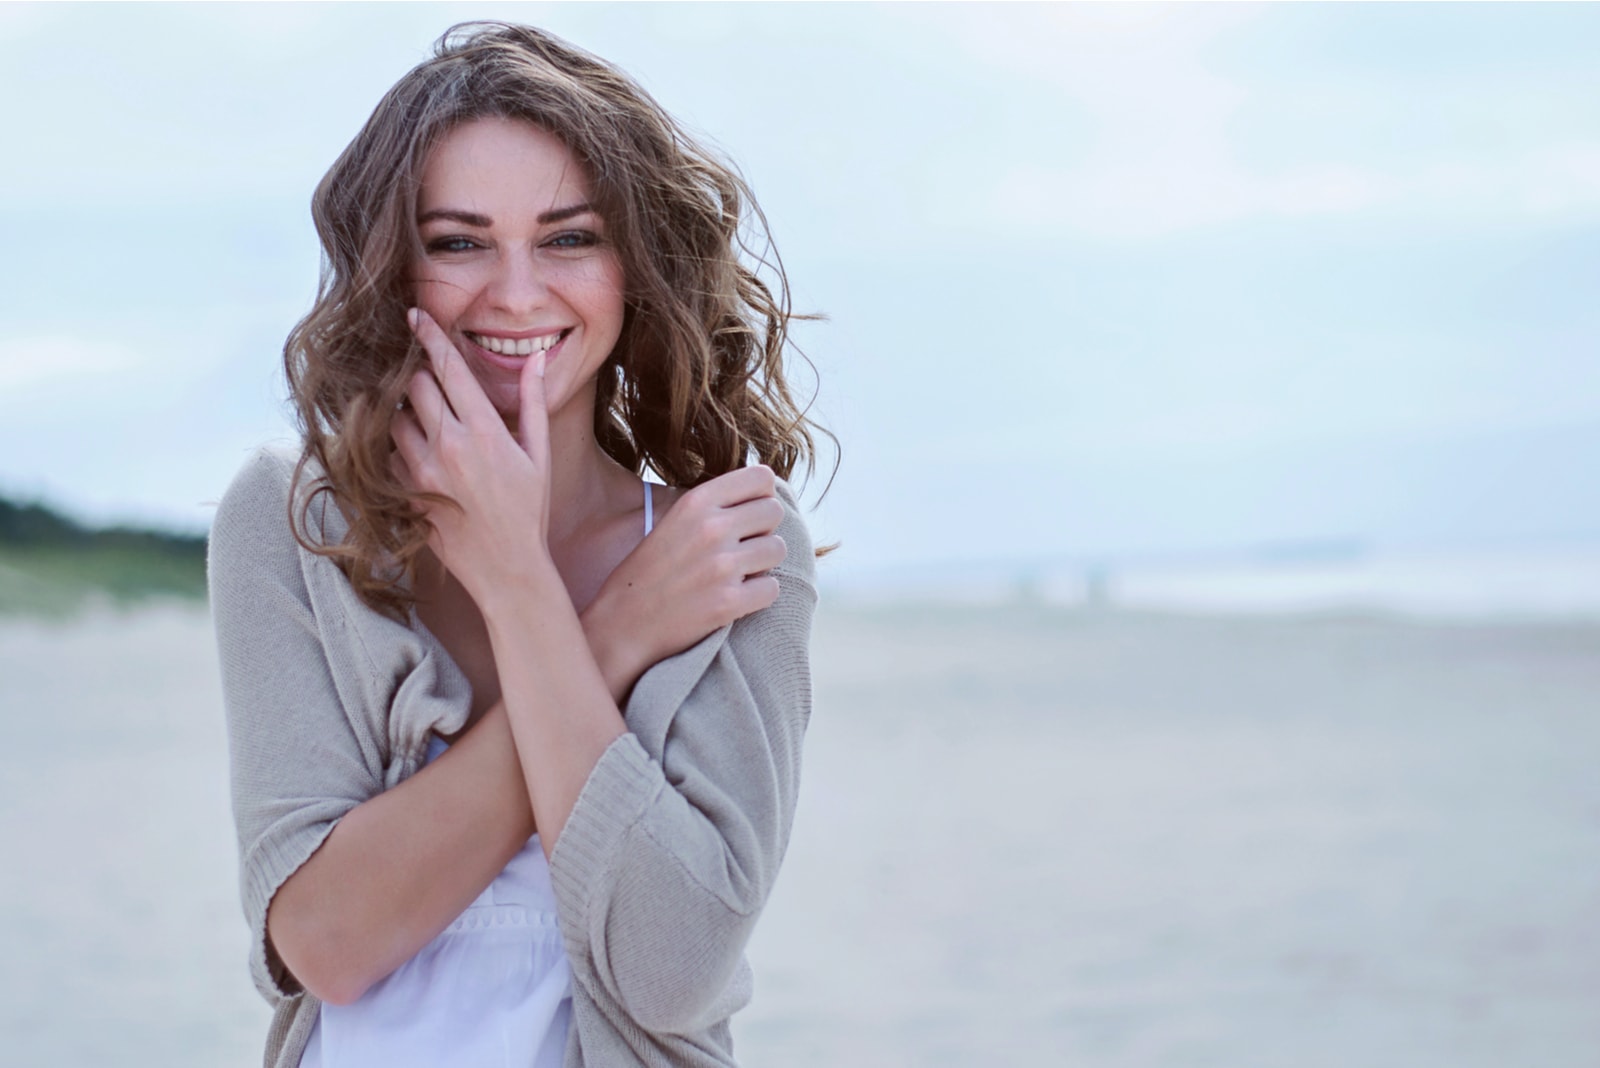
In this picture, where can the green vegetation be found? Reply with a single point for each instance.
(51, 565)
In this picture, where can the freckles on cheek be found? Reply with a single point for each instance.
(420, 282)
(602, 281)
(433, 294)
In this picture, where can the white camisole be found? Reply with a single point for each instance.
(492, 990)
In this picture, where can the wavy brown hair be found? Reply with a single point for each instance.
(695, 386)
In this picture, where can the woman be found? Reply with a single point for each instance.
(456, 848)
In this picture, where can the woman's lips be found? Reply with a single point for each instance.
(510, 362)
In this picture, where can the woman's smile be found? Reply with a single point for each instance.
(516, 344)
(512, 352)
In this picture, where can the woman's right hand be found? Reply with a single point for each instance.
(703, 566)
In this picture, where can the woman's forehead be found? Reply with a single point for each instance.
(497, 165)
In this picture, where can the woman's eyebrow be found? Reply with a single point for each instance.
(469, 218)
(465, 218)
(555, 215)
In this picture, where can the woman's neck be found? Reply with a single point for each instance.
(586, 485)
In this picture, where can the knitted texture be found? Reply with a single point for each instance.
(665, 861)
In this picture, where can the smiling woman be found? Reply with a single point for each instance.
(516, 733)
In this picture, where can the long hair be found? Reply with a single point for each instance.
(695, 386)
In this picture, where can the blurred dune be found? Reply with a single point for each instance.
(52, 565)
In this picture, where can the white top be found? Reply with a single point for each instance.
(492, 990)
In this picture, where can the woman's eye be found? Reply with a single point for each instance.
(575, 239)
(451, 244)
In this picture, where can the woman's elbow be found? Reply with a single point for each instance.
(687, 986)
(314, 960)
(334, 989)
(682, 1007)
(336, 985)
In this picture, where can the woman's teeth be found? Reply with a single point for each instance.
(505, 346)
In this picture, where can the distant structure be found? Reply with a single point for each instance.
(1097, 587)
(1029, 588)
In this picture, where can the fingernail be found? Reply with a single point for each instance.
(538, 365)
(412, 317)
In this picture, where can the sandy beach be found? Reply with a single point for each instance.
(1027, 836)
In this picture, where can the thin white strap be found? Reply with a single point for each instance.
(649, 511)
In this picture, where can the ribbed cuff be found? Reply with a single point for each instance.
(622, 785)
(275, 860)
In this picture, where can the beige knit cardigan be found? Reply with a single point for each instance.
(670, 852)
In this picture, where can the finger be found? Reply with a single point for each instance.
(758, 555)
(740, 485)
(754, 518)
(757, 593)
(428, 403)
(533, 415)
(400, 469)
(402, 473)
(411, 446)
(456, 380)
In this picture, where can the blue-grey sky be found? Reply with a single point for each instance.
(1101, 280)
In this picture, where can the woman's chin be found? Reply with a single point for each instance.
(504, 392)
(507, 403)
(509, 406)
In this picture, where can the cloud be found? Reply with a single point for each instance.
(1175, 138)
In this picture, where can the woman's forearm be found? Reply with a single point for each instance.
(398, 868)
(401, 866)
(562, 709)
(620, 654)
(677, 853)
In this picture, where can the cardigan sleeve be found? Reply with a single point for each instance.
(666, 860)
(297, 762)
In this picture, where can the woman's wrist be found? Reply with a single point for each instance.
(619, 656)
(525, 602)
(511, 595)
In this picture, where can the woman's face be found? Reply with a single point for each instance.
(515, 261)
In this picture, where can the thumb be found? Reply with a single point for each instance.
(533, 421)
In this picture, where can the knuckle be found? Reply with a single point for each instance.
(705, 537)
(454, 452)
(725, 604)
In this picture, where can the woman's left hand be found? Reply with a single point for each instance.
(453, 442)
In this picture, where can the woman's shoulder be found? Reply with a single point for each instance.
(257, 497)
(257, 500)
(266, 519)
(265, 476)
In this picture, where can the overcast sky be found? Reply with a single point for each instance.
(1101, 280)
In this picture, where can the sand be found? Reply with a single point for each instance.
(1027, 836)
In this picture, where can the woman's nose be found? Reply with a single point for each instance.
(519, 286)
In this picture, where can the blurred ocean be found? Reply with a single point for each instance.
(1485, 584)
(1029, 834)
